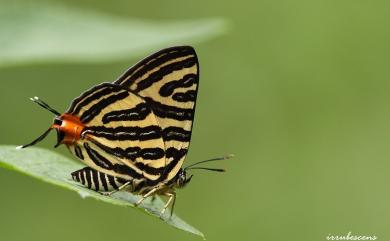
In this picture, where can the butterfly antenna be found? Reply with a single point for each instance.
(44, 105)
(206, 168)
(40, 138)
(209, 160)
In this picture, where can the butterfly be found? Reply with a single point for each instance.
(133, 134)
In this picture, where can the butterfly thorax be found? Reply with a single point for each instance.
(69, 129)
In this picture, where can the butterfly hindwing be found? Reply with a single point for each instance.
(97, 181)
(168, 81)
(121, 137)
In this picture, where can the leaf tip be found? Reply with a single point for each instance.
(229, 156)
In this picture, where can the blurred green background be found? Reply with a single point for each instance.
(298, 90)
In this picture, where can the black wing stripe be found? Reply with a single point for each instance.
(88, 178)
(78, 152)
(126, 170)
(185, 96)
(77, 100)
(112, 182)
(174, 153)
(168, 88)
(132, 153)
(98, 107)
(139, 133)
(82, 178)
(98, 159)
(121, 180)
(163, 71)
(167, 111)
(139, 112)
(99, 93)
(95, 179)
(123, 133)
(103, 180)
(177, 134)
(152, 62)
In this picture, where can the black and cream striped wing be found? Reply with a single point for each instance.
(122, 136)
(101, 182)
(97, 181)
(168, 80)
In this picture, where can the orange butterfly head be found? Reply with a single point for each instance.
(68, 127)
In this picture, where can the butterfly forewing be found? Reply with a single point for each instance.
(122, 136)
(168, 81)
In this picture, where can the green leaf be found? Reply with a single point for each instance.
(43, 33)
(55, 169)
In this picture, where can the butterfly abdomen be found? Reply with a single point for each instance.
(97, 181)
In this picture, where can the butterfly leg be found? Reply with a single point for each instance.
(116, 190)
(148, 194)
(173, 204)
(172, 198)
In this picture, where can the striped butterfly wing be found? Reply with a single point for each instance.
(121, 137)
(97, 181)
(168, 81)
(103, 182)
